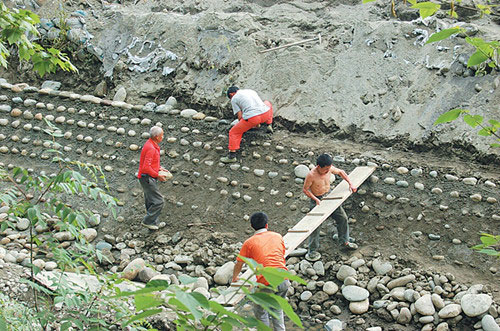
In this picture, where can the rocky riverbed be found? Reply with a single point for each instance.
(414, 219)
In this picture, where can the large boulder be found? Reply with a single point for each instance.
(89, 234)
(146, 274)
(359, 307)
(346, 271)
(133, 268)
(475, 304)
(424, 305)
(301, 171)
(488, 323)
(354, 293)
(381, 267)
(224, 274)
(450, 311)
(330, 288)
(120, 95)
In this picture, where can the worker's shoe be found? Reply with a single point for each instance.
(151, 226)
(162, 225)
(269, 128)
(227, 159)
(313, 256)
(336, 237)
(349, 246)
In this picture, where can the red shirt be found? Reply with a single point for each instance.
(150, 159)
(266, 248)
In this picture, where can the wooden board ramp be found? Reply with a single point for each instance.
(303, 229)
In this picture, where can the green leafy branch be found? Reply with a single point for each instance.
(16, 26)
(490, 245)
(473, 121)
(486, 52)
(428, 8)
(42, 200)
(195, 312)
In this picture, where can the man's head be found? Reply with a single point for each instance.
(156, 134)
(232, 91)
(258, 221)
(324, 163)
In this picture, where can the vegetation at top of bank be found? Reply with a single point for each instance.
(486, 56)
(18, 33)
(488, 129)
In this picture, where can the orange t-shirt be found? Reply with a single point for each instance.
(266, 248)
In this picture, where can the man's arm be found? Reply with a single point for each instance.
(237, 109)
(237, 270)
(343, 174)
(307, 189)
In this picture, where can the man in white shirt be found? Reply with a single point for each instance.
(251, 112)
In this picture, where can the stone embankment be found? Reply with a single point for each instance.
(373, 78)
(405, 214)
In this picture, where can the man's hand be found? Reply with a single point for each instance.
(318, 201)
(352, 188)
(235, 279)
(164, 175)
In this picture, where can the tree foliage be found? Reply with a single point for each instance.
(490, 245)
(47, 201)
(195, 312)
(17, 31)
(487, 129)
(487, 53)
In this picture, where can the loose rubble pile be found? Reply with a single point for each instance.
(427, 212)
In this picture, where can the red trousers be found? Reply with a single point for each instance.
(243, 126)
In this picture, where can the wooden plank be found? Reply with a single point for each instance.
(311, 221)
(239, 284)
(332, 198)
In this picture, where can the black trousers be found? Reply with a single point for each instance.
(152, 199)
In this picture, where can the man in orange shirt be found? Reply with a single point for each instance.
(266, 248)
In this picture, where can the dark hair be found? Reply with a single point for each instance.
(232, 89)
(258, 220)
(324, 160)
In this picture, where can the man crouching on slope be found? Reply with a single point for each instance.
(251, 112)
